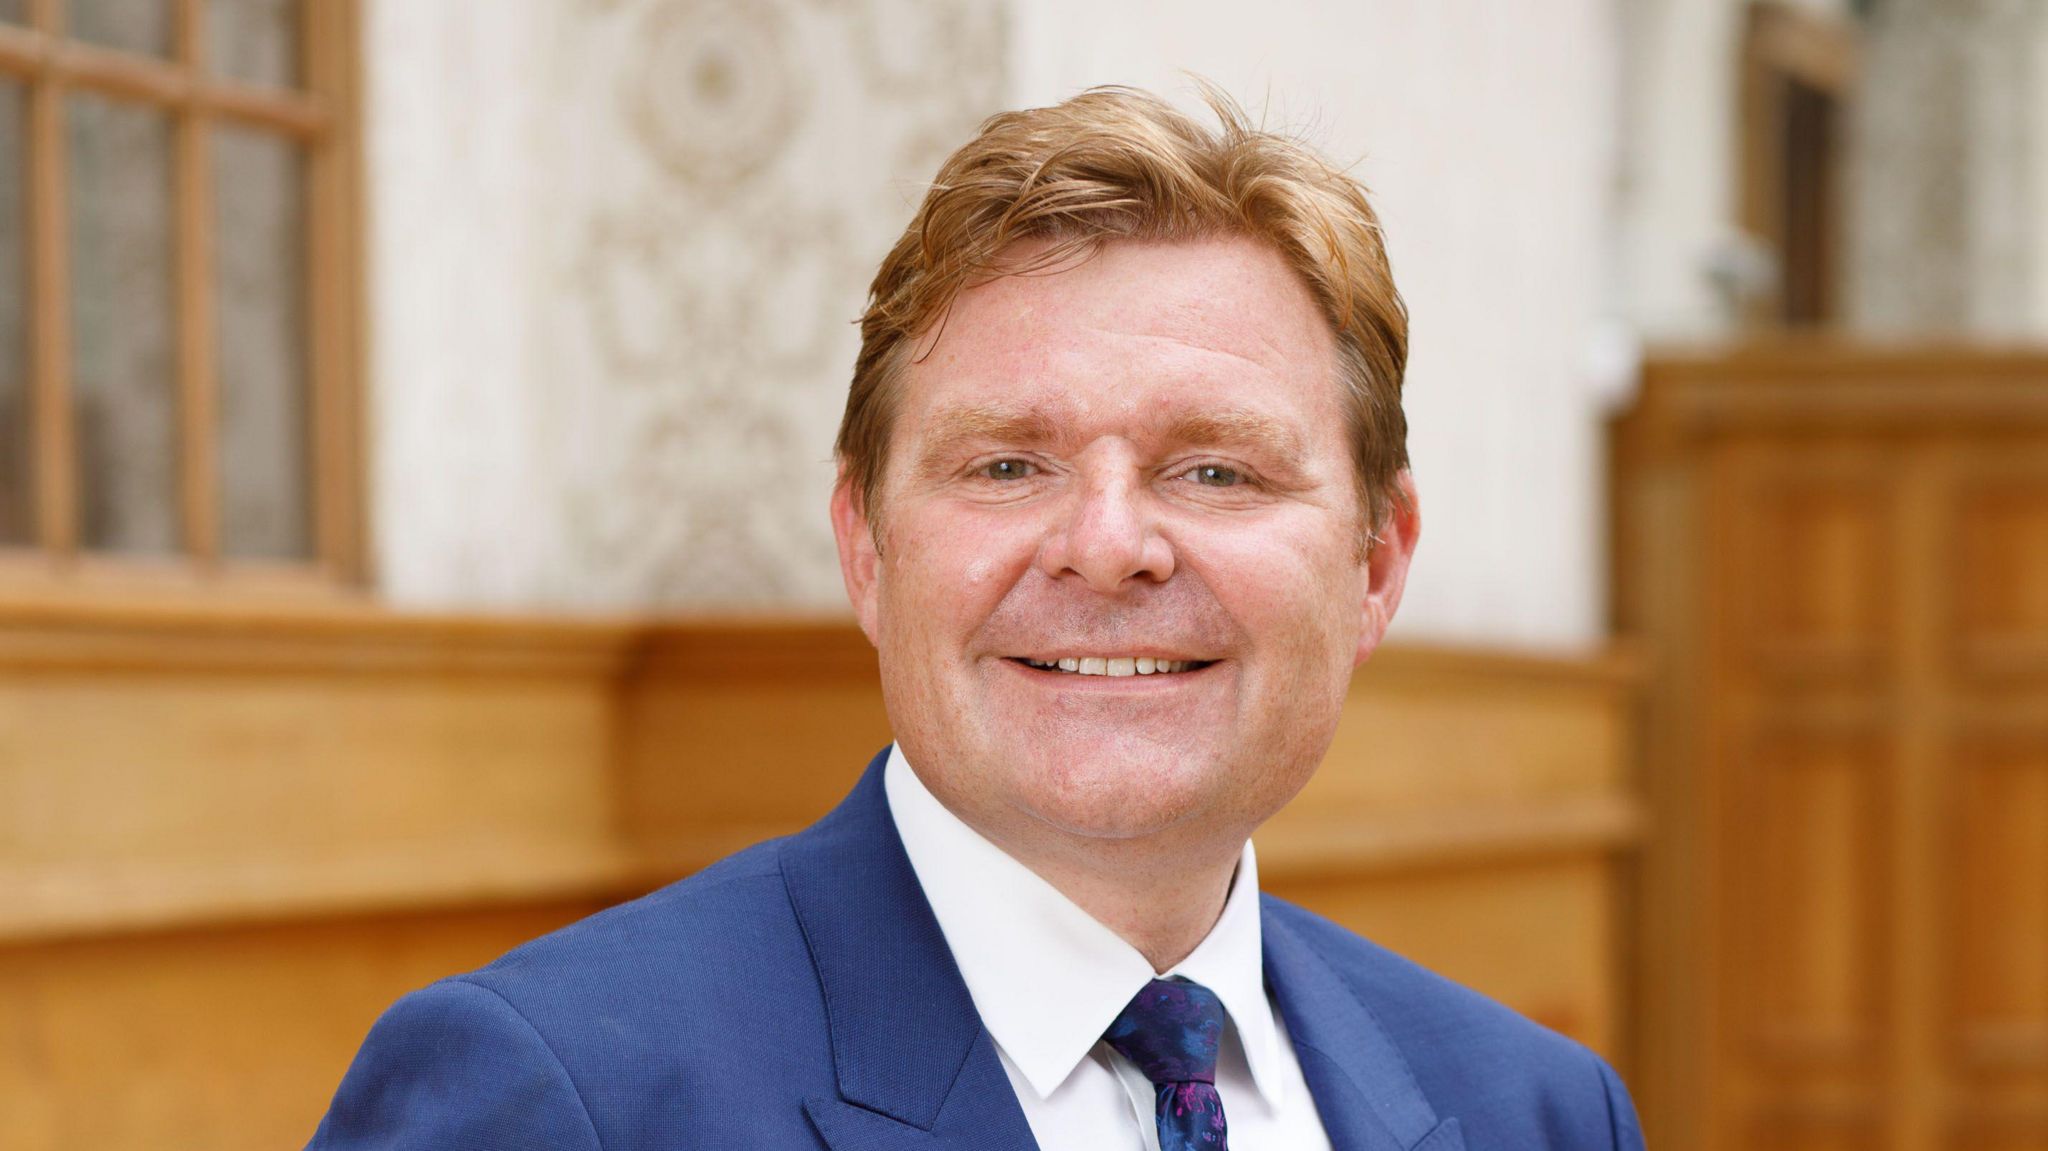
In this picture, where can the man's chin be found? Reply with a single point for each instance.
(1127, 789)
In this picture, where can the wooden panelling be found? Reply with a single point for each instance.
(714, 710)
(2000, 1133)
(299, 767)
(1541, 935)
(2000, 567)
(225, 1039)
(1997, 940)
(1834, 560)
(225, 825)
(1456, 711)
(161, 764)
(1809, 547)
(1807, 896)
(1813, 1130)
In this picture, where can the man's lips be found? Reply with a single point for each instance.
(1115, 666)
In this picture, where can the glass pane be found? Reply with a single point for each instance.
(260, 257)
(255, 40)
(123, 340)
(131, 25)
(17, 524)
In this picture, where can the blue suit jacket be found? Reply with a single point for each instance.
(800, 995)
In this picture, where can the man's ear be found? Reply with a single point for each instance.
(1387, 567)
(859, 561)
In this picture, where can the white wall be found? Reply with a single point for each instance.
(1675, 191)
(1486, 132)
(456, 298)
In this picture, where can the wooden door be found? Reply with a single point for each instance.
(1838, 561)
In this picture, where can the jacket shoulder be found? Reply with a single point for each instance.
(607, 1030)
(672, 922)
(453, 1066)
(676, 955)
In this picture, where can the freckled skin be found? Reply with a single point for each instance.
(1101, 535)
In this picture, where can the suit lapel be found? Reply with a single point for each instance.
(915, 1067)
(1365, 1094)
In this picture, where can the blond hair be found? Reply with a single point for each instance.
(1118, 163)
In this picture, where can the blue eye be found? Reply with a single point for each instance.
(1007, 470)
(1216, 477)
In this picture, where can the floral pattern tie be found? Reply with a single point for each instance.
(1170, 1031)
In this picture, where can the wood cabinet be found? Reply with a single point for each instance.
(1836, 561)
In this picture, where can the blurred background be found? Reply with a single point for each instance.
(415, 424)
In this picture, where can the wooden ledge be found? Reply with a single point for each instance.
(1823, 354)
(51, 633)
(1613, 664)
(1807, 382)
(728, 649)
(118, 897)
(1319, 846)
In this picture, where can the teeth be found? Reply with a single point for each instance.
(1114, 666)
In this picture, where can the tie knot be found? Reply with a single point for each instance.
(1170, 1031)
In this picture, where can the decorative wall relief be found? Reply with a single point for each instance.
(731, 171)
(1944, 231)
(715, 96)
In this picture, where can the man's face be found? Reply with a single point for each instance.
(1137, 462)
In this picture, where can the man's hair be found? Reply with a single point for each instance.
(1118, 163)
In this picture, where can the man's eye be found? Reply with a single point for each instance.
(1216, 476)
(1007, 470)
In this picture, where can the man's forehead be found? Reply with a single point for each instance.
(1222, 297)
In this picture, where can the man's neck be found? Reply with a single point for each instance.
(1161, 900)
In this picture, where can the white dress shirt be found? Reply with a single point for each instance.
(1048, 980)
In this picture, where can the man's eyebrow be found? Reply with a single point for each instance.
(1236, 427)
(957, 428)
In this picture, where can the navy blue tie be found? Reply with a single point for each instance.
(1170, 1031)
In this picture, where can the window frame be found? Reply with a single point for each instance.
(1781, 46)
(321, 116)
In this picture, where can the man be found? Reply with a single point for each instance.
(1123, 501)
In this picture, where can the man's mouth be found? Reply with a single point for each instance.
(1114, 665)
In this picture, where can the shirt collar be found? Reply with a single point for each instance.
(1047, 978)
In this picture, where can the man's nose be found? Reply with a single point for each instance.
(1108, 536)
